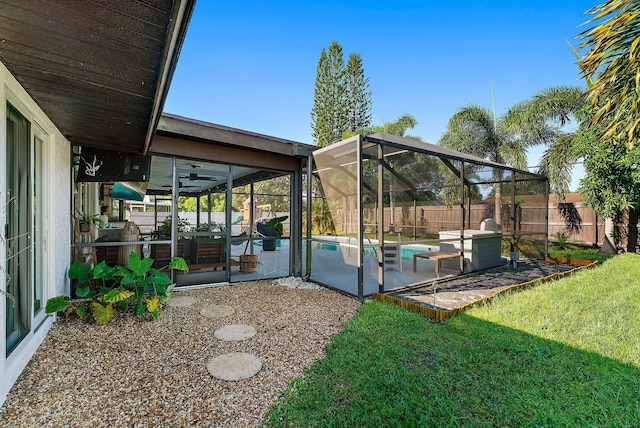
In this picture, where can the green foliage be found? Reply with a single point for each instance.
(57, 304)
(183, 226)
(87, 218)
(473, 130)
(612, 66)
(189, 204)
(329, 111)
(139, 287)
(576, 252)
(562, 241)
(275, 225)
(398, 127)
(102, 314)
(565, 353)
(341, 99)
(359, 101)
(612, 181)
(322, 222)
(275, 192)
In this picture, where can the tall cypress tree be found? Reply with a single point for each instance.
(329, 112)
(359, 96)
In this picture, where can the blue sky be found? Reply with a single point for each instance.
(252, 64)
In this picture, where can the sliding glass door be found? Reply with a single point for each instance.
(18, 230)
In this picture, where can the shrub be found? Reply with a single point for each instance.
(102, 289)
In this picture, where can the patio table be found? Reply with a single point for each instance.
(437, 256)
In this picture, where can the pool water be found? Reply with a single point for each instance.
(407, 252)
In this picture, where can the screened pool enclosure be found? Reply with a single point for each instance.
(389, 212)
(368, 214)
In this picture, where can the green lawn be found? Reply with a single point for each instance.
(566, 353)
(579, 253)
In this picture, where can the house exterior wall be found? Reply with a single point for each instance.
(56, 224)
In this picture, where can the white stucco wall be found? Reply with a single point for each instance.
(57, 223)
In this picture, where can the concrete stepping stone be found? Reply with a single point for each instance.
(235, 332)
(234, 366)
(181, 301)
(217, 311)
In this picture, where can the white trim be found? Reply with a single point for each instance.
(13, 366)
(55, 172)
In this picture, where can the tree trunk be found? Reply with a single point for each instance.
(498, 205)
(632, 231)
(608, 243)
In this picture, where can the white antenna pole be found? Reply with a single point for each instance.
(493, 104)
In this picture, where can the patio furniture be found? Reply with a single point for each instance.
(161, 254)
(210, 254)
(436, 256)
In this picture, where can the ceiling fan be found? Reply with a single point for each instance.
(194, 176)
(180, 185)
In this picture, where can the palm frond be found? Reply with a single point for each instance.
(471, 130)
(612, 64)
(557, 164)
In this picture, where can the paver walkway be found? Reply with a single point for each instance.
(445, 297)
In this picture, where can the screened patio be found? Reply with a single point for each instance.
(205, 192)
(389, 212)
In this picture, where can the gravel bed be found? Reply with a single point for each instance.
(137, 372)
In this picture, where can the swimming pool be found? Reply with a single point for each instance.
(407, 251)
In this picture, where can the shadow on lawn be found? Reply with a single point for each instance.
(392, 369)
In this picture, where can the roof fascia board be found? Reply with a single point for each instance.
(183, 9)
(186, 128)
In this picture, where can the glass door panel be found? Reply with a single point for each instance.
(18, 228)
(39, 213)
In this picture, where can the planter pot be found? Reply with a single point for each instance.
(248, 263)
(269, 244)
(84, 227)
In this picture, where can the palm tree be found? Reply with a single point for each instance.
(474, 130)
(544, 118)
(612, 67)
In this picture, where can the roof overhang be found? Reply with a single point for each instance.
(99, 70)
(194, 139)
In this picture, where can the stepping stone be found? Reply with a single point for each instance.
(234, 366)
(181, 301)
(235, 332)
(217, 311)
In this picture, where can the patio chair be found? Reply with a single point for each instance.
(161, 254)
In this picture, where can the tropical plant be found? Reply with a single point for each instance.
(103, 289)
(87, 218)
(562, 241)
(165, 228)
(321, 220)
(612, 66)
(276, 227)
(474, 130)
(542, 119)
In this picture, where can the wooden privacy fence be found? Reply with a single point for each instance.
(579, 223)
